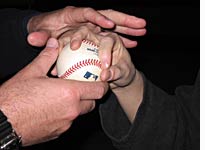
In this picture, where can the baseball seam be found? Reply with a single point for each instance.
(80, 64)
(90, 43)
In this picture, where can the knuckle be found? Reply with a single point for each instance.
(74, 113)
(84, 29)
(63, 128)
(114, 36)
(68, 8)
(47, 53)
(88, 10)
(67, 92)
(110, 10)
(108, 39)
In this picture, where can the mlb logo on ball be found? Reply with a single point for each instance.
(89, 75)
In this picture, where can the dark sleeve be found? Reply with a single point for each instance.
(163, 122)
(15, 52)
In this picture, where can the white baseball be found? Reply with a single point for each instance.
(82, 64)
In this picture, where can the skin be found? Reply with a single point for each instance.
(55, 23)
(117, 67)
(52, 103)
(124, 80)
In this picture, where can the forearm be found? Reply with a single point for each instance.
(130, 97)
(152, 123)
(159, 118)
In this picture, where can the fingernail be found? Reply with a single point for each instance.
(110, 22)
(109, 76)
(52, 43)
(74, 44)
(105, 64)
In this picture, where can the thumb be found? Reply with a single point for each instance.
(43, 62)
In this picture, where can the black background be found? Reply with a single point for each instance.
(168, 54)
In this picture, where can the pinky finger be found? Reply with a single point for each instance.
(128, 43)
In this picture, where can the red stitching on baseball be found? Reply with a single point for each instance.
(90, 43)
(80, 64)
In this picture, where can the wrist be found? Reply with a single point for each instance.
(10, 114)
(135, 83)
(9, 140)
(130, 97)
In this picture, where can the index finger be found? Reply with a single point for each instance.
(124, 20)
(91, 90)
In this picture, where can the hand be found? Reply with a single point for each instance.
(124, 80)
(126, 24)
(41, 108)
(116, 62)
(53, 24)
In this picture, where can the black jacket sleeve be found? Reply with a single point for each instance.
(163, 122)
(15, 52)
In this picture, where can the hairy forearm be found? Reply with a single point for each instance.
(130, 97)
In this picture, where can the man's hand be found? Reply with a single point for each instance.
(126, 24)
(41, 108)
(117, 67)
(54, 24)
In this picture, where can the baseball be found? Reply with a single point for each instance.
(82, 64)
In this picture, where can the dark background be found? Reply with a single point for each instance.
(168, 54)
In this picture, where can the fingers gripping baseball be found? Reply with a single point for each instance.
(105, 50)
(118, 75)
(116, 63)
(120, 70)
(76, 36)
